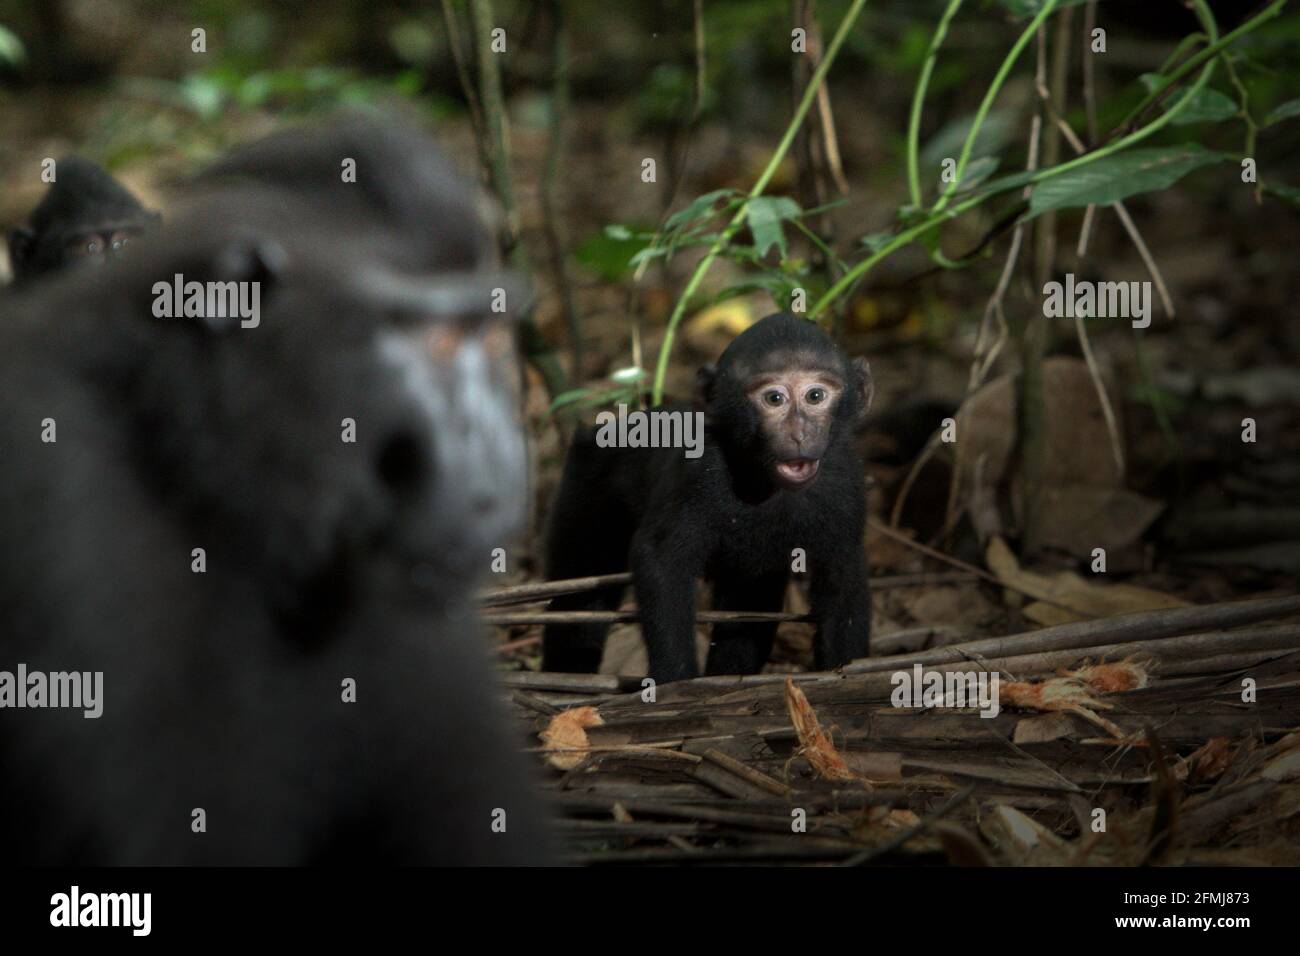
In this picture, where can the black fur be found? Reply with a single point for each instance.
(83, 201)
(672, 519)
(325, 560)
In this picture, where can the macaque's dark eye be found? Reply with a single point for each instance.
(816, 396)
(774, 398)
(86, 246)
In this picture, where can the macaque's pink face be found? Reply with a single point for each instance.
(796, 408)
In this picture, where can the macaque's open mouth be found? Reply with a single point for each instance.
(796, 472)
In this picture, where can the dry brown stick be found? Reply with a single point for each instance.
(750, 821)
(830, 151)
(738, 681)
(802, 847)
(759, 813)
(753, 775)
(1090, 111)
(667, 750)
(897, 642)
(623, 617)
(1216, 649)
(550, 192)
(1202, 821)
(545, 590)
(938, 555)
(466, 85)
(1225, 663)
(509, 647)
(866, 856)
(724, 781)
(1141, 625)
(1166, 796)
(1028, 465)
(1185, 647)
(591, 683)
(621, 814)
(1120, 209)
(631, 828)
(533, 702)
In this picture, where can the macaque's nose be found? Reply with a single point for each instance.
(455, 462)
(799, 429)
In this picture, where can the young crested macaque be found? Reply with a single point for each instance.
(267, 537)
(85, 216)
(778, 479)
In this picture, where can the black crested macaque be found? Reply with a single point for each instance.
(85, 216)
(228, 732)
(778, 472)
(396, 181)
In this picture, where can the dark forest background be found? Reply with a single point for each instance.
(1128, 440)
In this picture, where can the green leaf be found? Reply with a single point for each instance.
(742, 253)
(1206, 106)
(1029, 8)
(569, 397)
(609, 253)
(1117, 177)
(593, 397)
(1285, 111)
(204, 94)
(765, 215)
(1005, 183)
(1290, 193)
(824, 207)
(775, 284)
(628, 376)
(11, 48)
(648, 253)
(997, 131)
(976, 172)
(877, 240)
(697, 208)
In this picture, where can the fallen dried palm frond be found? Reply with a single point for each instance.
(814, 745)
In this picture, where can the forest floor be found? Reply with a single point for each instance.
(1159, 760)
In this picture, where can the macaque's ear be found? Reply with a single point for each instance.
(250, 259)
(240, 259)
(704, 380)
(864, 384)
(20, 247)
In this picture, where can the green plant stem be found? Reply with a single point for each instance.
(938, 216)
(693, 283)
(918, 102)
(1190, 40)
(987, 104)
(1243, 95)
(1192, 62)
(832, 259)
